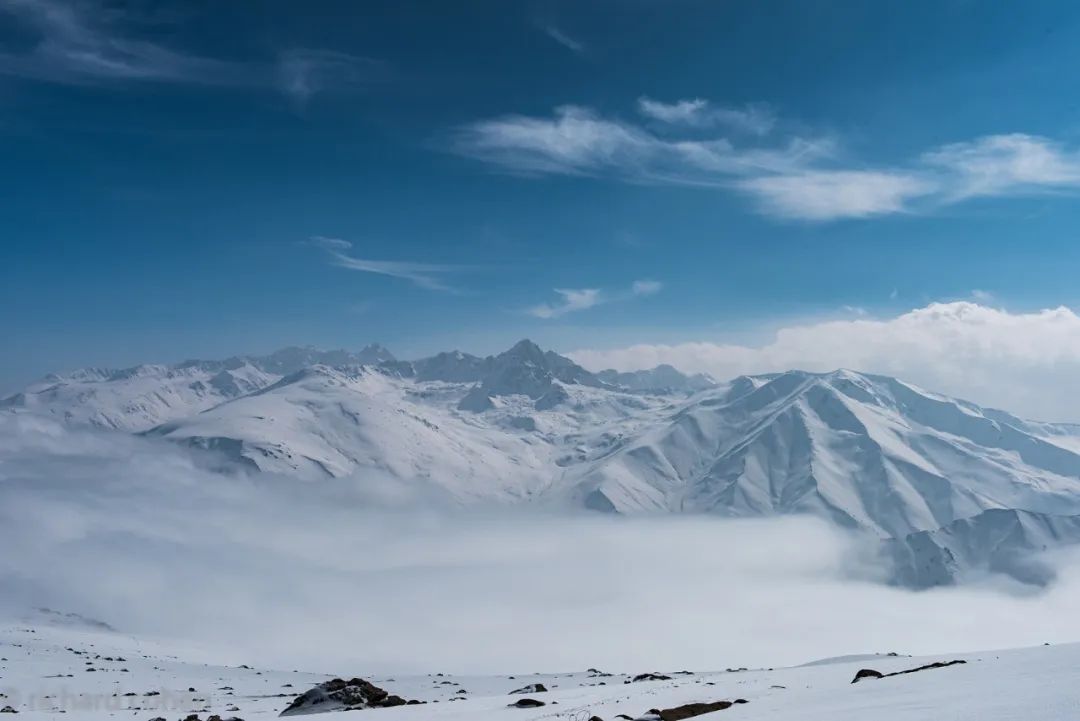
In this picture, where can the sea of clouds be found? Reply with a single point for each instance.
(344, 577)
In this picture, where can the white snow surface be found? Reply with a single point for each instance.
(44, 674)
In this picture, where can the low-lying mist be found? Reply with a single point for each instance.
(348, 577)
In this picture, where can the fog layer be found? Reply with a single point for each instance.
(347, 577)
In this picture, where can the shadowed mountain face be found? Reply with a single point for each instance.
(999, 540)
(868, 453)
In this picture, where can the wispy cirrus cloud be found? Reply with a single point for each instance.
(646, 287)
(83, 43)
(305, 72)
(423, 275)
(786, 176)
(560, 37)
(578, 141)
(1013, 164)
(756, 119)
(831, 194)
(573, 300)
(1005, 164)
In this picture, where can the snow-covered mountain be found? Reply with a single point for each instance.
(661, 378)
(998, 540)
(139, 398)
(865, 452)
(144, 396)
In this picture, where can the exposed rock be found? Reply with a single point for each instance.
(8, 709)
(694, 709)
(476, 400)
(553, 398)
(867, 673)
(341, 695)
(526, 703)
(651, 677)
(871, 673)
(531, 688)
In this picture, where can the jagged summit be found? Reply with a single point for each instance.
(525, 369)
(525, 351)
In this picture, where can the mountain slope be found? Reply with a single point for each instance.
(46, 676)
(995, 541)
(864, 451)
(333, 422)
(139, 398)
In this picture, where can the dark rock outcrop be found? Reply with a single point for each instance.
(341, 695)
(527, 703)
(866, 673)
(531, 688)
(651, 677)
(694, 709)
(871, 673)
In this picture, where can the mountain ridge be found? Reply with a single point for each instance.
(865, 452)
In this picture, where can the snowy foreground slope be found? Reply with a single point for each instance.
(52, 672)
(868, 453)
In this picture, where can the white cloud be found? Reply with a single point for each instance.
(1026, 363)
(572, 300)
(585, 298)
(577, 141)
(574, 141)
(690, 112)
(789, 177)
(698, 112)
(828, 195)
(420, 274)
(1000, 164)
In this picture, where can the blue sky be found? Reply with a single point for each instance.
(201, 179)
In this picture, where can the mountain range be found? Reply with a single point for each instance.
(949, 488)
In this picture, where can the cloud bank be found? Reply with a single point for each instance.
(1027, 363)
(154, 541)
